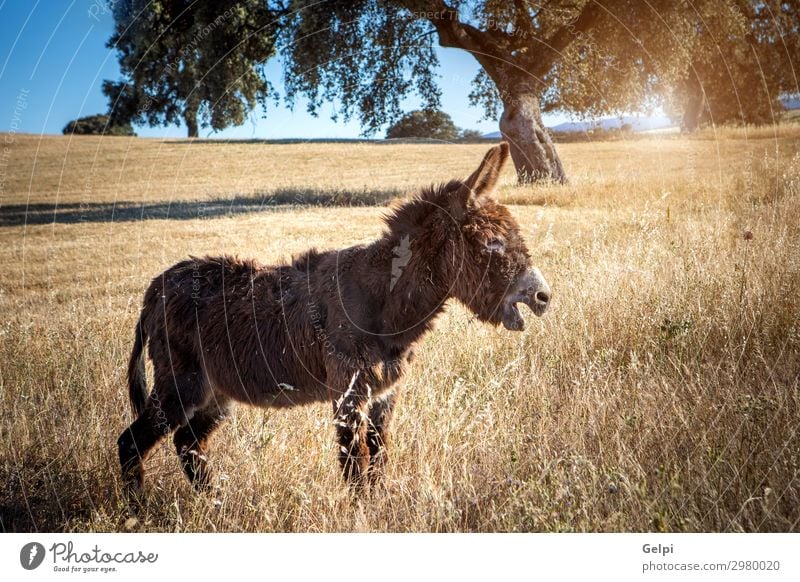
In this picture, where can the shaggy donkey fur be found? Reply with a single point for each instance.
(339, 326)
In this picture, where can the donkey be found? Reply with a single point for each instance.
(339, 326)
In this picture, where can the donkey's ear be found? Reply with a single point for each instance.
(484, 180)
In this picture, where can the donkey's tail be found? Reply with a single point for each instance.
(137, 385)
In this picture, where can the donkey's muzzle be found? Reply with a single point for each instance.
(532, 290)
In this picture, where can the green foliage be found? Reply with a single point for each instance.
(96, 125)
(425, 123)
(575, 56)
(197, 61)
(623, 61)
(641, 55)
(205, 60)
(368, 54)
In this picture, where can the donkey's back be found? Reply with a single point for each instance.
(242, 326)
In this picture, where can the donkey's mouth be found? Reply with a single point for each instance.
(534, 292)
(512, 318)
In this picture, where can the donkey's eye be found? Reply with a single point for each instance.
(495, 244)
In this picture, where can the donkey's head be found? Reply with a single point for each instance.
(463, 244)
(495, 272)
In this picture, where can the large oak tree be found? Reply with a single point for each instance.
(586, 56)
(590, 57)
(199, 62)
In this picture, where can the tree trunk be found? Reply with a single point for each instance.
(692, 113)
(190, 118)
(695, 104)
(532, 150)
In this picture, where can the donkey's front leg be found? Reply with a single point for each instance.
(380, 413)
(350, 418)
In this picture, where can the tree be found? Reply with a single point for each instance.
(470, 134)
(425, 123)
(96, 125)
(592, 57)
(741, 63)
(559, 55)
(201, 62)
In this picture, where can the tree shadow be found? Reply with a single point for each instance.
(129, 211)
(48, 496)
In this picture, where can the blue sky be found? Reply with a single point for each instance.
(53, 60)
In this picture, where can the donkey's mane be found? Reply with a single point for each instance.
(412, 213)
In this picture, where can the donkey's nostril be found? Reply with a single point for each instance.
(543, 297)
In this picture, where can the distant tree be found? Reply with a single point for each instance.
(470, 134)
(200, 62)
(424, 123)
(626, 128)
(96, 125)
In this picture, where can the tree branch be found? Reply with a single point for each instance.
(485, 46)
(495, 49)
(578, 27)
(523, 20)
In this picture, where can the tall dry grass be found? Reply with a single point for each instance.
(661, 392)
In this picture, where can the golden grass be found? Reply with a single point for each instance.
(661, 392)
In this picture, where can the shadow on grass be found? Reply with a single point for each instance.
(128, 211)
(48, 496)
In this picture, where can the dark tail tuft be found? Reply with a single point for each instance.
(137, 385)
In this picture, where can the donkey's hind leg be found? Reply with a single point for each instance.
(172, 400)
(191, 441)
(136, 442)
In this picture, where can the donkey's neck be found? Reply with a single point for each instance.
(414, 292)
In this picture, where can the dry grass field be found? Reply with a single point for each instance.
(660, 392)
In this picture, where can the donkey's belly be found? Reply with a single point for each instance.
(268, 386)
(261, 354)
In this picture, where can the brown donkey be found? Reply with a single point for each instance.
(339, 326)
